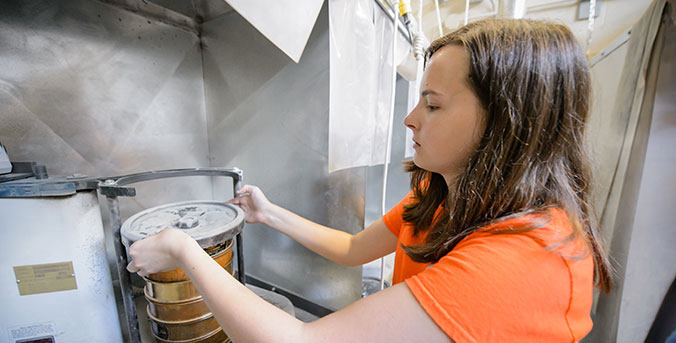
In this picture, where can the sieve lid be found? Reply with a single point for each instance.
(208, 222)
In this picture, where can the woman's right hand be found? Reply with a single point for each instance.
(254, 203)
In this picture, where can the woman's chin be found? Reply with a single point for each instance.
(418, 163)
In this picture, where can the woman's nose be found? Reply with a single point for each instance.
(410, 120)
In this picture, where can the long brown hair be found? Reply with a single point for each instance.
(533, 81)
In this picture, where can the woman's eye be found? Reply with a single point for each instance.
(432, 108)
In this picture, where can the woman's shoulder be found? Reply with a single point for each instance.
(523, 276)
(550, 228)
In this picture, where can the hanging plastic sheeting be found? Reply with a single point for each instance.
(286, 23)
(413, 98)
(360, 82)
(420, 44)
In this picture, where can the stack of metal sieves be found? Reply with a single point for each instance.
(176, 310)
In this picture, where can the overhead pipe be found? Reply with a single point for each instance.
(551, 5)
(590, 24)
(515, 9)
(388, 146)
(466, 12)
(438, 12)
(391, 13)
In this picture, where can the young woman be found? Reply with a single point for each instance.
(495, 242)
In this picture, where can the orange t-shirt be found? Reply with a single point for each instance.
(502, 287)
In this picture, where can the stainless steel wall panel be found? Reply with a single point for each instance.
(89, 88)
(606, 130)
(622, 211)
(209, 9)
(183, 7)
(648, 272)
(269, 117)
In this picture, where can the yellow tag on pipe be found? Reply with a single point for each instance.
(404, 7)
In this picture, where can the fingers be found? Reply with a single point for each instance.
(246, 189)
(244, 192)
(249, 190)
(132, 268)
(238, 201)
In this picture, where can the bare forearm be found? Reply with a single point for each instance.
(244, 316)
(333, 244)
(247, 318)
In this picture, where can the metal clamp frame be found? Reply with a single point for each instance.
(114, 187)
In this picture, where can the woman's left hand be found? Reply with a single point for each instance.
(159, 252)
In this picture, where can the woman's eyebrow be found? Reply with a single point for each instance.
(427, 92)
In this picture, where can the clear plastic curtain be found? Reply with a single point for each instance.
(360, 82)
